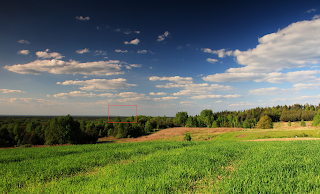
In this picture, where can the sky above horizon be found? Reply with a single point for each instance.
(78, 57)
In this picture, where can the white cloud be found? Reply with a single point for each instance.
(137, 32)
(271, 91)
(135, 41)
(163, 36)
(218, 101)
(177, 79)
(23, 41)
(211, 60)
(215, 96)
(101, 52)
(221, 53)
(130, 94)
(316, 17)
(11, 91)
(117, 30)
(311, 10)
(301, 86)
(127, 32)
(295, 46)
(243, 104)
(27, 100)
(142, 51)
(83, 18)
(111, 67)
(274, 77)
(24, 52)
(158, 94)
(100, 84)
(135, 65)
(188, 102)
(80, 94)
(166, 98)
(150, 67)
(121, 51)
(46, 55)
(81, 51)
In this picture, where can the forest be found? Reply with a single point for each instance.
(15, 132)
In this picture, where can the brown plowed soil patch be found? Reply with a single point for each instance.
(285, 139)
(179, 131)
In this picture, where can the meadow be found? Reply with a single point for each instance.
(163, 167)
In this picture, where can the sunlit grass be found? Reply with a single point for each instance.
(163, 167)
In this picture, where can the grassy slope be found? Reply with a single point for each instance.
(164, 167)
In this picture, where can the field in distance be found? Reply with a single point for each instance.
(280, 130)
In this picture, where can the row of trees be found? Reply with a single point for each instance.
(68, 130)
(63, 130)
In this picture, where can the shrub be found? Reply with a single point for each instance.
(265, 123)
(187, 137)
(303, 124)
(289, 123)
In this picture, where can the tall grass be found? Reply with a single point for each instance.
(163, 167)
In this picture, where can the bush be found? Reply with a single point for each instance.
(303, 124)
(289, 123)
(187, 137)
(265, 123)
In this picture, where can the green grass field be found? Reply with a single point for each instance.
(164, 167)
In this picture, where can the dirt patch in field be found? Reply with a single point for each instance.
(178, 131)
(241, 136)
(285, 139)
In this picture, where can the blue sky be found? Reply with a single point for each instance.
(78, 57)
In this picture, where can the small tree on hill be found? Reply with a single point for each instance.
(303, 124)
(265, 123)
(316, 120)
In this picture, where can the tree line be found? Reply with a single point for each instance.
(62, 130)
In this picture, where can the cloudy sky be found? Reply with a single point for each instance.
(78, 57)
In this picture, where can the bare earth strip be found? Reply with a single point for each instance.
(285, 139)
(180, 131)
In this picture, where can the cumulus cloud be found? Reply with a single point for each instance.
(316, 17)
(211, 60)
(157, 94)
(24, 52)
(177, 79)
(23, 41)
(81, 51)
(27, 100)
(142, 51)
(135, 41)
(100, 84)
(216, 96)
(81, 94)
(127, 32)
(46, 55)
(11, 91)
(163, 36)
(188, 102)
(301, 86)
(271, 91)
(295, 46)
(243, 104)
(101, 52)
(111, 67)
(311, 10)
(274, 77)
(120, 51)
(83, 18)
(129, 94)
(132, 65)
(167, 98)
(221, 53)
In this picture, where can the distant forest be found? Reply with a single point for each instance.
(24, 131)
